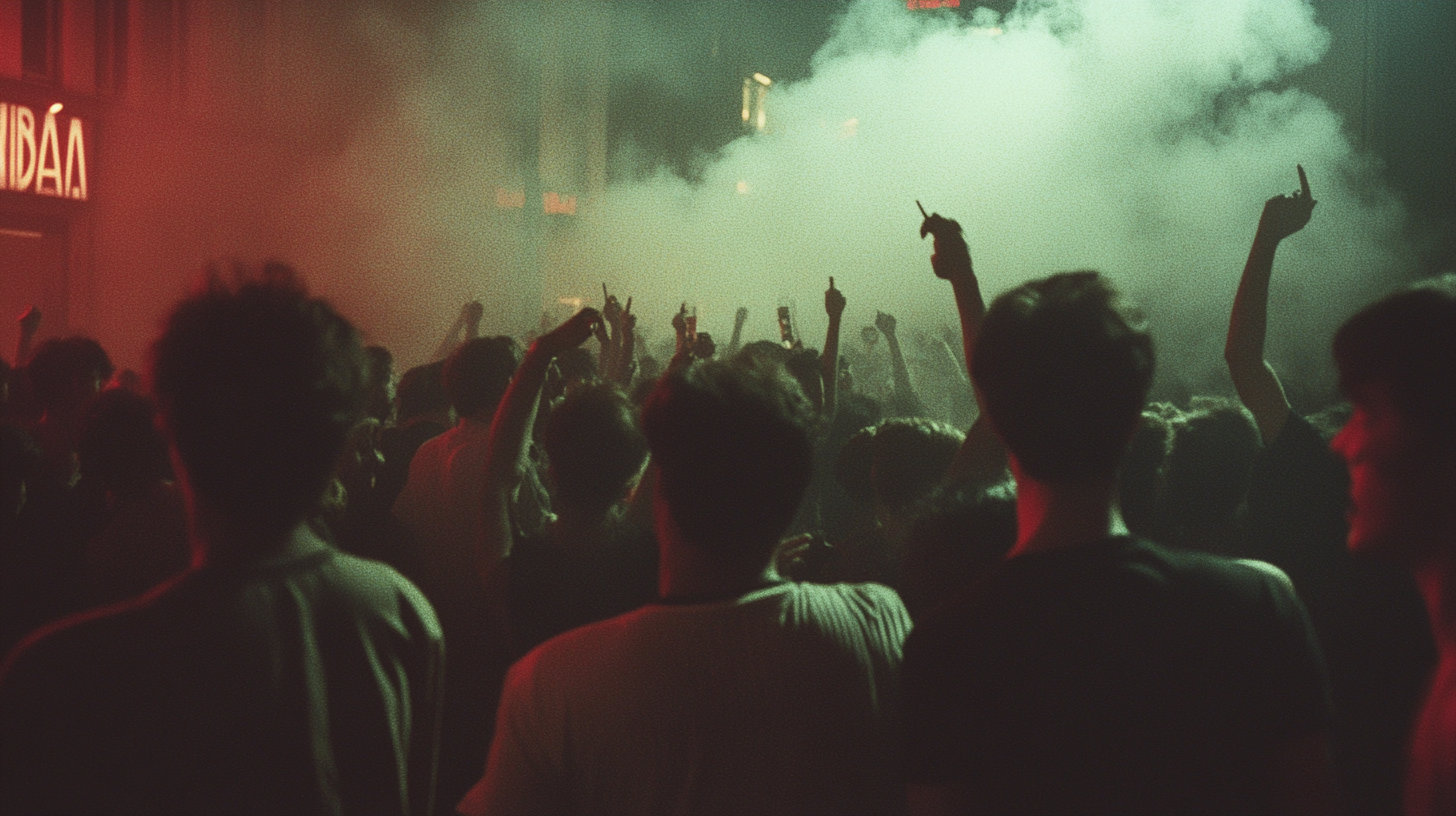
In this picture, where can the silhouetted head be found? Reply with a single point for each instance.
(422, 391)
(1397, 362)
(1140, 481)
(258, 385)
(381, 387)
(1206, 473)
(66, 372)
(577, 365)
(1064, 369)
(731, 444)
(800, 363)
(477, 373)
(20, 466)
(120, 444)
(956, 535)
(596, 450)
(910, 457)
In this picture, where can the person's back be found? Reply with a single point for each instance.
(778, 701)
(1126, 678)
(738, 691)
(277, 675)
(282, 686)
(1092, 672)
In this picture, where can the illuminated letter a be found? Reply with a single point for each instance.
(50, 148)
(75, 157)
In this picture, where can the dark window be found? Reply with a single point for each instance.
(39, 38)
(111, 46)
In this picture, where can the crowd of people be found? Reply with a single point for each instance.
(568, 577)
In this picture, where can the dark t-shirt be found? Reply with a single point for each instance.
(304, 683)
(1369, 618)
(559, 582)
(1116, 677)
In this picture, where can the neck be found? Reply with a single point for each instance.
(216, 542)
(689, 571)
(1437, 582)
(1053, 516)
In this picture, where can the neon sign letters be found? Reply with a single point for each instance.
(31, 164)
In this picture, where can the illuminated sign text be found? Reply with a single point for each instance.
(31, 165)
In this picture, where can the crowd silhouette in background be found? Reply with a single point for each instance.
(978, 572)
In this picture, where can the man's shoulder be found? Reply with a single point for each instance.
(54, 652)
(373, 588)
(1121, 570)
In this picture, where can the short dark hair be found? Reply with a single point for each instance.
(595, 446)
(908, 456)
(1407, 342)
(1064, 368)
(477, 374)
(55, 366)
(379, 403)
(800, 363)
(258, 385)
(1140, 479)
(731, 443)
(120, 444)
(1212, 453)
(421, 391)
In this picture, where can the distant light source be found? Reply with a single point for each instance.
(762, 80)
(743, 188)
(557, 204)
(573, 302)
(55, 108)
(510, 199)
(849, 127)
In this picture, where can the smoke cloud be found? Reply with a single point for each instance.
(1136, 137)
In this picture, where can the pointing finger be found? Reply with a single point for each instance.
(1303, 181)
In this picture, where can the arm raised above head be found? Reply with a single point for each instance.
(1258, 386)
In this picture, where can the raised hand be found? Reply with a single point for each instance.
(472, 312)
(741, 316)
(629, 320)
(680, 321)
(1285, 215)
(885, 322)
(833, 301)
(611, 307)
(951, 258)
(29, 320)
(570, 334)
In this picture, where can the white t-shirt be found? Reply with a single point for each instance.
(781, 701)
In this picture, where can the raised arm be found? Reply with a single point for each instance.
(981, 459)
(834, 303)
(1257, 384)
(739, 318)
(467, 324)
(625, 354)
(683, 351)
(29, 322)
(904, 391)
(510, 429)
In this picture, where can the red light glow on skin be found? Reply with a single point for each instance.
(1400, 489)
